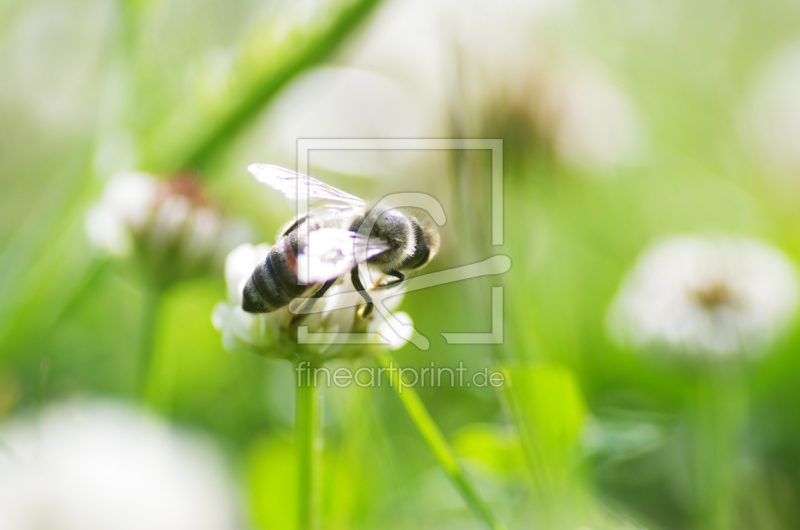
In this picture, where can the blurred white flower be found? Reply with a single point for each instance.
(592, 124)
(474, 61)
(268, 333)
(98, 466)
(773, 114)
(712, 296)
(400, 80)
(353, 103)
(423, 44)
(567, 105)
(168, 223)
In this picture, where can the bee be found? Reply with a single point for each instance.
(318, 249)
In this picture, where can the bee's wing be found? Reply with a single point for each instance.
(295, 185)
(332, 252)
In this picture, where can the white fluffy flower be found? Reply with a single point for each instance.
(713, 296)
(267, 333)
(100, 466)
(773, 115)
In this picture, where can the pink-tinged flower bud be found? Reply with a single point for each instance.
(170, 226)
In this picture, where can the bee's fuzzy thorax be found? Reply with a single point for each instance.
(395, 228)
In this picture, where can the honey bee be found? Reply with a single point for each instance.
(318, 249)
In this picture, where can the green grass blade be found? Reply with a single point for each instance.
(548, 411)
(172, 147)
(438, 444)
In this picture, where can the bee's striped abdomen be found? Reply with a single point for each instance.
(273, 283)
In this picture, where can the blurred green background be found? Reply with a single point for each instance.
(623, 122)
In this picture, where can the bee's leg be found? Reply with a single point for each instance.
(303, 312)
(399, 278)
(356, 279)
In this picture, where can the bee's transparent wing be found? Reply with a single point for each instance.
(295, 185)
(332, 252)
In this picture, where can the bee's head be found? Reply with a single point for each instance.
(427, 245)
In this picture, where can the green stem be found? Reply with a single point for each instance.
(151, 300)
(438, 444)
(720, 409)
(309, 442)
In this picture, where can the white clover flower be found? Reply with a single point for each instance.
(98, 466)
(169, 224)
(268, 333)
(773, 114)
(706, 296)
